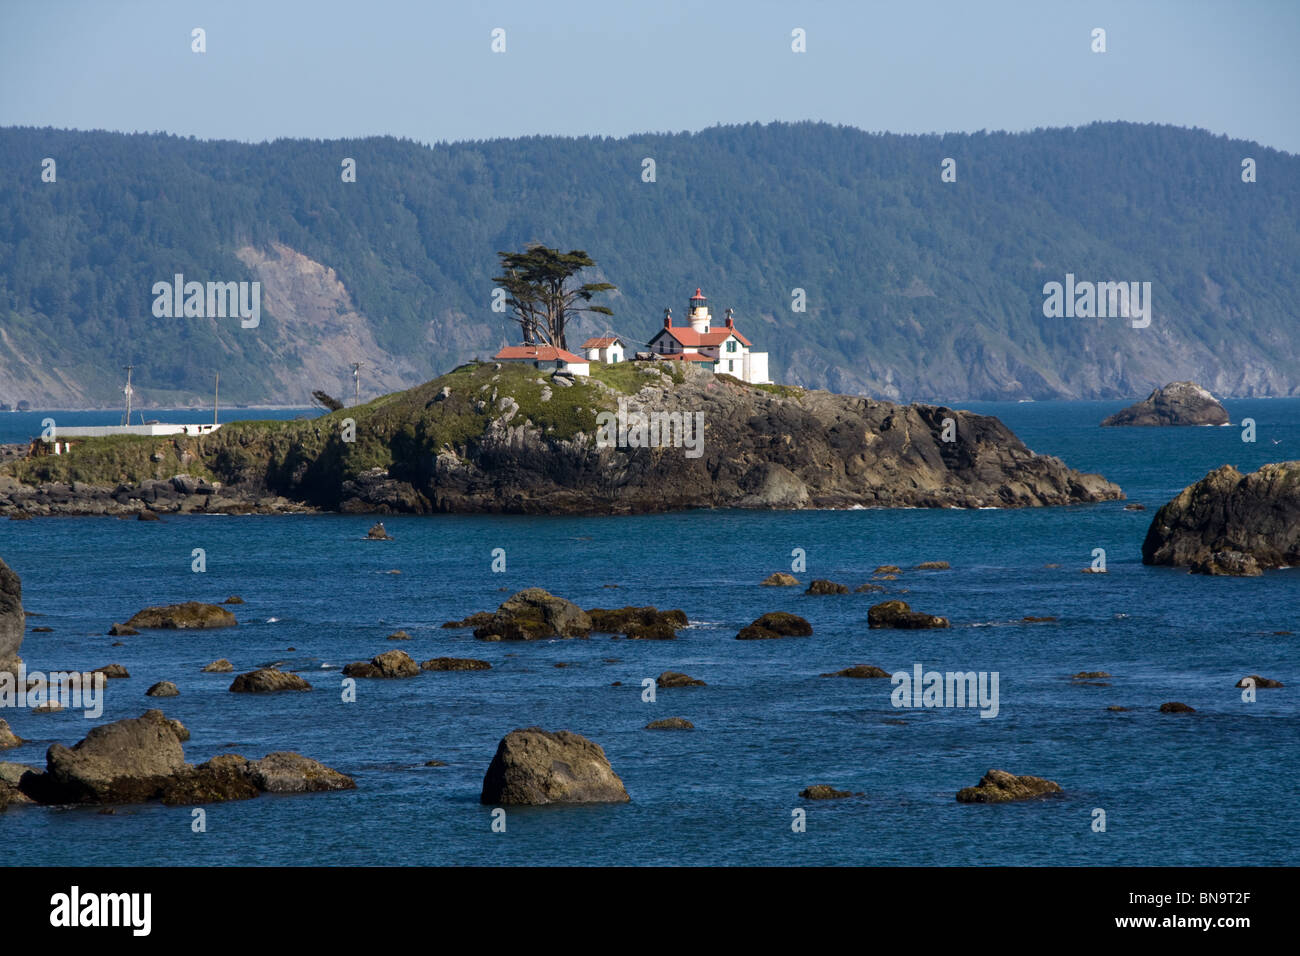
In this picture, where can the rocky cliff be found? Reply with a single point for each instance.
(13, 620)
(636, 437)
(1230, 523)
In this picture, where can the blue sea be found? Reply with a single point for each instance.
(1212, 788)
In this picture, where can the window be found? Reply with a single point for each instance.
(731, 345)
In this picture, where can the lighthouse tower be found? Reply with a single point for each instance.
(698, 315)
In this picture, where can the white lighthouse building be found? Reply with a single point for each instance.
(723, 348)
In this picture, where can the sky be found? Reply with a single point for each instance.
(427, 71)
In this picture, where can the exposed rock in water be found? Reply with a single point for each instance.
(638, 623)
(477, 619)
(147, 516)
(288, 772)
(163, 688)
(821, 586)
(121, 630)
(868, 588)
(775, 624)
(233, 599)
(1229, 523)
(455, 664)
(221, 666)
(779, 580)
(534, 614)
(1090, 675)
(677, 679)
(8, 738)
(126, 761)
(1030, 619)
(1259, 682)
(933, 566)
(399, 636)
(823, 791)
(859, 670)
(534, 767)
(1176, 707)
(190, 615)
(267, 680)
(888, 569)
(998, 786)
(670, 723)
(389, 664)
(1178, 403)
(13, 619)
(899, 614)
(1134, 506)
(112, 672)
(378, 532)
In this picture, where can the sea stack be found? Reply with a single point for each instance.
(13, 620)
(1178, 403)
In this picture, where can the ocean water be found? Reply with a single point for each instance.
(1215, 787)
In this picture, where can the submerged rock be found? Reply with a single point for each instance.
(393, 663)
(670, 723)
(267, 680)
(821, 586)
(1259, 682)
(1178, 403)
(898, 614)
(677, 679)
(860, 671)
(779, 580)
(455, 664)
(823, 791)
(121, 630)
(190, 615)
(638, 623)
(868, 588)
(775, 624)
(533, 767)
(998, 786)
(1230, 523)
(933, 566)
(1176, 707)
(534, 614)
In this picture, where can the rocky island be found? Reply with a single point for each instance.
(1230, 524)
(1178, 403)
(508, 438)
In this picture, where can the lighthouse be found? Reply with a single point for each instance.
(698, 315)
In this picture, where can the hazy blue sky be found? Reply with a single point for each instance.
(425, 70)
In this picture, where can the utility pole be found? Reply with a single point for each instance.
(128, 390)
(356, 382)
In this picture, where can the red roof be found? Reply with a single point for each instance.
(689, 338)
(698, 294)
(601, 343)
(538, 353)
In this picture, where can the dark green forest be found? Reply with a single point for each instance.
(915, 288)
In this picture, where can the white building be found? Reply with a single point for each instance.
(723, 348)
(546, 357)
(607, 349)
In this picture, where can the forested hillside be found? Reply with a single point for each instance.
(915, 288)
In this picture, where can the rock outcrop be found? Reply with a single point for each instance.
(1178, 403)
(267, 680)
(998, 786)
(779, 579)
(164, 688)
(8, 738)
(775, 624)
(670, 723)
(1230, 523)
(221, 666)
(534, 767)
(533, 615)
(192, 615)
(899, 614)
(861, 671)
(1259, 682)
(823, 791)
(638, 623)
(455, 664)
(141, 758)
(389, 664)
(13, 619)
(677, 679)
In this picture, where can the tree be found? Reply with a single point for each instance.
(326, 401)
(541, 295)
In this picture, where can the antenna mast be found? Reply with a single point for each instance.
(129, 391)
(356, 382)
